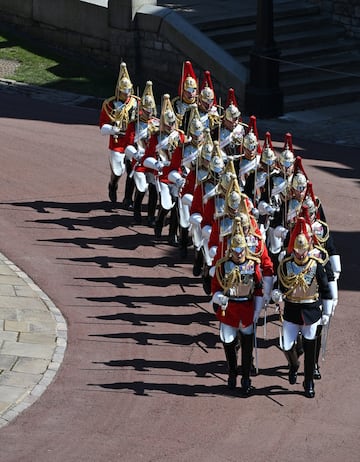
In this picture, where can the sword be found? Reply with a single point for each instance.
(265, 316)
(324, 338)
(255, 350)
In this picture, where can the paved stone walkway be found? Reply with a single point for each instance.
(33, 337)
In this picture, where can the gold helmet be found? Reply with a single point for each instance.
(216, 163)
(124, 85)
(148, 100)
(268, 156)
(167, 118)
(237, 240)
(188, 83)
(196, 127)
(207, 147)
(300, 241)
(207, 93)
(286, 157)
(227, 177)
(233, 198)
(250, 143)
(299, 182)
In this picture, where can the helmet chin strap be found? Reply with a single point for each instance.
(301, 261)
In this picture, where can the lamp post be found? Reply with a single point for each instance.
(263, 96)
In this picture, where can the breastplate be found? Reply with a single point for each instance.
(239, 280)
(305, 287)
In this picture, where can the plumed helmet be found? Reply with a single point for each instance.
(300, 238)
(216, 163)
(232, 113)
(244, 219)
(167, 117)
(231, 108)
(147, 99)
(207, 147)
(124, 84)
(286, 157)
(268, 156)
(233, 198)
(228, 176)
(250, 141)
(251, 138)
(299, 182)
(196, 127)
(207, 93)
(188, 79)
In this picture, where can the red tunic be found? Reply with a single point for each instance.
(238, 312)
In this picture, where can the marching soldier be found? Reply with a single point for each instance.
(116, 114)
(237, 300)
(145, 125)
(163, 157)
(304, 286)
(187, 96)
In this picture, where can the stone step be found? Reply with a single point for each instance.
(311, 99)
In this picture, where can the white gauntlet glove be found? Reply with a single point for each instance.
(277, 296)
(220, 299)
(327, 310)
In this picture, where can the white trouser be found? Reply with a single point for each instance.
(228, 333)
(117, 162)
(291, 330)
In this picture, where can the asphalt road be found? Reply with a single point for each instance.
(144, 377)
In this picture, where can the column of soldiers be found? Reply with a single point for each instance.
(258, 232)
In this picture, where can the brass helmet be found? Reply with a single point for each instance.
(286, 157)
(196, 127)
(268, 156)
(207, 93)
(237, 240)
(216, 163)
(227, 177)
(148, 100)
(124, 85)
(232, 113)
(167, 118)
(250, 141)
(207, 147)
(233, 198)
(300, 241)
(299, 182)
(188, 83)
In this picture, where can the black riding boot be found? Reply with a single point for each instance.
(309, 363)
(113, 186)
(293, 360)
(173, 226)
(198, 262)
(299, 345)
(139, 196)
(206, 280)
(129, 190)
(247, 345)
(317, 375)
(184, 240)
(231, 359)
(153, 199)
(159, 224)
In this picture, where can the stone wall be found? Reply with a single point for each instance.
(345, 12)
(153, 41)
